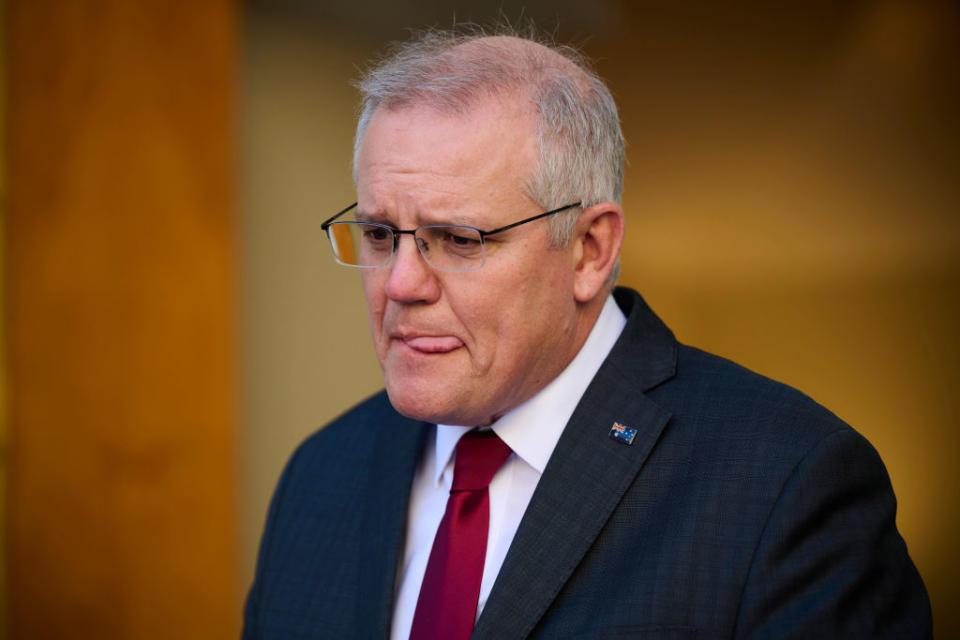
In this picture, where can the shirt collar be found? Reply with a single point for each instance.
(533, 428)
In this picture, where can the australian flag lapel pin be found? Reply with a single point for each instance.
(622, 434)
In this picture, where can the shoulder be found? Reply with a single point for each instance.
(806, 494)
(325, 511)
(357, 424)
(712, 391)
(332, 467)
(749, 432)
(350, 439)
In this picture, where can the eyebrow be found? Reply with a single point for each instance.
(384, 219)
(363, 216)
(460, 220)
(456, 217)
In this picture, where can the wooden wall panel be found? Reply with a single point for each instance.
(121, 306)
(3, 344)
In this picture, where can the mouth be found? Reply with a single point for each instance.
(430, 344)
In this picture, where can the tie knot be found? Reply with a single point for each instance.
(479, 455)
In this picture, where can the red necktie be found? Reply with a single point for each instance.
(447, 606)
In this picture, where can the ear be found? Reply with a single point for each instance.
(598, 237)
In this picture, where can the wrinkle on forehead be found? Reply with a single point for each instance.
(422, 166)
(504, 129)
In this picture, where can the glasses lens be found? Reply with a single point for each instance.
(357, 244)
(451, 248)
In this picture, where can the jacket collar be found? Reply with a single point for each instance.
(587, 475)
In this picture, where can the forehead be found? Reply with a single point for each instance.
(421, 159)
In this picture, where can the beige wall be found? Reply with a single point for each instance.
(791, 200)
(306, 348)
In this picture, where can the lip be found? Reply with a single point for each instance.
(429, 343)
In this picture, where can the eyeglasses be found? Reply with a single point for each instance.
(446, 247)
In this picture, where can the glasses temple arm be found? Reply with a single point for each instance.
(525, 221)
(326, 223)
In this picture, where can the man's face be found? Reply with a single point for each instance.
(463, 348)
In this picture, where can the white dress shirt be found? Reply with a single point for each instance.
(531, 430)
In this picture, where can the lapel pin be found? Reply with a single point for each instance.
(622, 434)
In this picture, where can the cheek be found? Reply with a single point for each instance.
(506, 323)
(376, 300)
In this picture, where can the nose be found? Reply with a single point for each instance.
(411, 279)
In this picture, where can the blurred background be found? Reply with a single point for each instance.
(173, 323)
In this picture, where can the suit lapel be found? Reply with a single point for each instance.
(586, 476)
(385, 515)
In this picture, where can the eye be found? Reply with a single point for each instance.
(376, 234)
(462, 240)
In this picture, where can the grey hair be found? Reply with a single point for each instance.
(579, 141)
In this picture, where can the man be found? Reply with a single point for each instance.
(637, 487)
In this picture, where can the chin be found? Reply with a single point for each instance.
(415, 404)
(427, 404)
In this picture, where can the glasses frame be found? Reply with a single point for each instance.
(325, 226)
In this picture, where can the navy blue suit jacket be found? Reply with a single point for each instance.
(742, 509)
